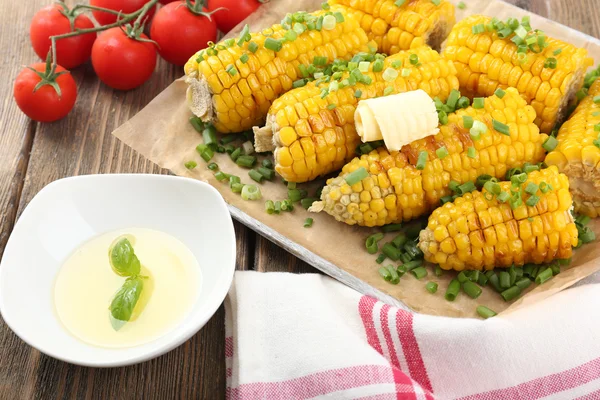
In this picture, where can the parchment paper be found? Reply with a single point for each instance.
(161, 132)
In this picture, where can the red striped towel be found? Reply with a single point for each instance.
(310, 337)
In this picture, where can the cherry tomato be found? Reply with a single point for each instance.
(236, 11)
(167, 1)
(180, 33)
(44, 104)
(123, 62)
(70, 52)
(125, 6)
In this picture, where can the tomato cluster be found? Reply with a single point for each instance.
(122, 56)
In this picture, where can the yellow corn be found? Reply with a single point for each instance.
(486, 62)
(578, 156)
(237, 101)
(408, 192)
(312, 140)
(413, 24)
(476, 231)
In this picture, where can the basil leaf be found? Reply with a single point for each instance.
(122, 258)
(124, 301)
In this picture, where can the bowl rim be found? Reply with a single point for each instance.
(181, 332)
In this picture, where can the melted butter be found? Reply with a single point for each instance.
(86, 284)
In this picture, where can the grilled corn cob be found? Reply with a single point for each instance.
(486, 62)
(310, 139)
(396, 190)
(477, 231)
(578, 154)
(413, 24)
(234, 88)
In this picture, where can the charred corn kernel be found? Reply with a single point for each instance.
(417, 192)
(265, 75)
(487, 62)
(577, 154)
(333, 133)
(412, 24)
(530, 243)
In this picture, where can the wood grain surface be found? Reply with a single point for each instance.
(33, 155)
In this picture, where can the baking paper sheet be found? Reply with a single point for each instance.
(161, 132)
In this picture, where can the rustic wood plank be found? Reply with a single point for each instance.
(269, 257)
(82, 144)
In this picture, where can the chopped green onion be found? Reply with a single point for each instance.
(545, 188)
(358, 93)
(466, 187)
(256, 176)
(461, 5)
(213, 166)
(388, 90)
(499, 93)
(462, 276)
(478, 128)
(329, 22)
(492, 187)
(557, 51)
(500, 127)
(453, 98)
(197, 124)
(468, 121)
(471, 152)
(363, 66)
(299, 28)
(485, 312)
(371, 243)
(543, 276)
(410, 265)
(396, 64)
(356, 176)
(550, 143)
(431, 287)
(269, 207)
(453, 185)
(419, 272)
(236, 187)
(421, 160)
(503, 197)
(221, 176)
(477, 29)
(478, 102)
(385, 274)
(389, 74)
(273, 44)
(378, 65)
(511, 293)
(399, 3)
(231, 70)
(191, 164)
(414, 59)
(277, 207)
(405, 72)
(251, 192)
(550, 62)
(339, 17)
(463, 102)
(252, 47)
(452, 290)
(504, 279)
(246, 161)
(523, 283)
(438, 271)
(308, 222)
(442, 152)
(320, 60)
(205, 152)
(391, 252)
(471, 289)
(596, 99)
(296, 195)
(531, 188)
(299, 83)
(391, 228)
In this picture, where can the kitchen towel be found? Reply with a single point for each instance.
(309, 337)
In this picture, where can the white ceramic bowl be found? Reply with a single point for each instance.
(71, 211)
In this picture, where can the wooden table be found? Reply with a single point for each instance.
(33, 155)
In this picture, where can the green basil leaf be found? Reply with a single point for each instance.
(124, 301)
(122, 258)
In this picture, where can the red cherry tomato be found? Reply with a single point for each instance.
(70, 52)
(236, 11)
(122, 62)
(180, 33)
(124, 6)
(44, 104)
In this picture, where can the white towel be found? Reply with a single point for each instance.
(308, 336)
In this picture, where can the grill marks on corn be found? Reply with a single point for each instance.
(578, 157)
(242, 101)
(415, 23)
(476, 233)
(400, 192)
(486, 62)
(312, 140)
